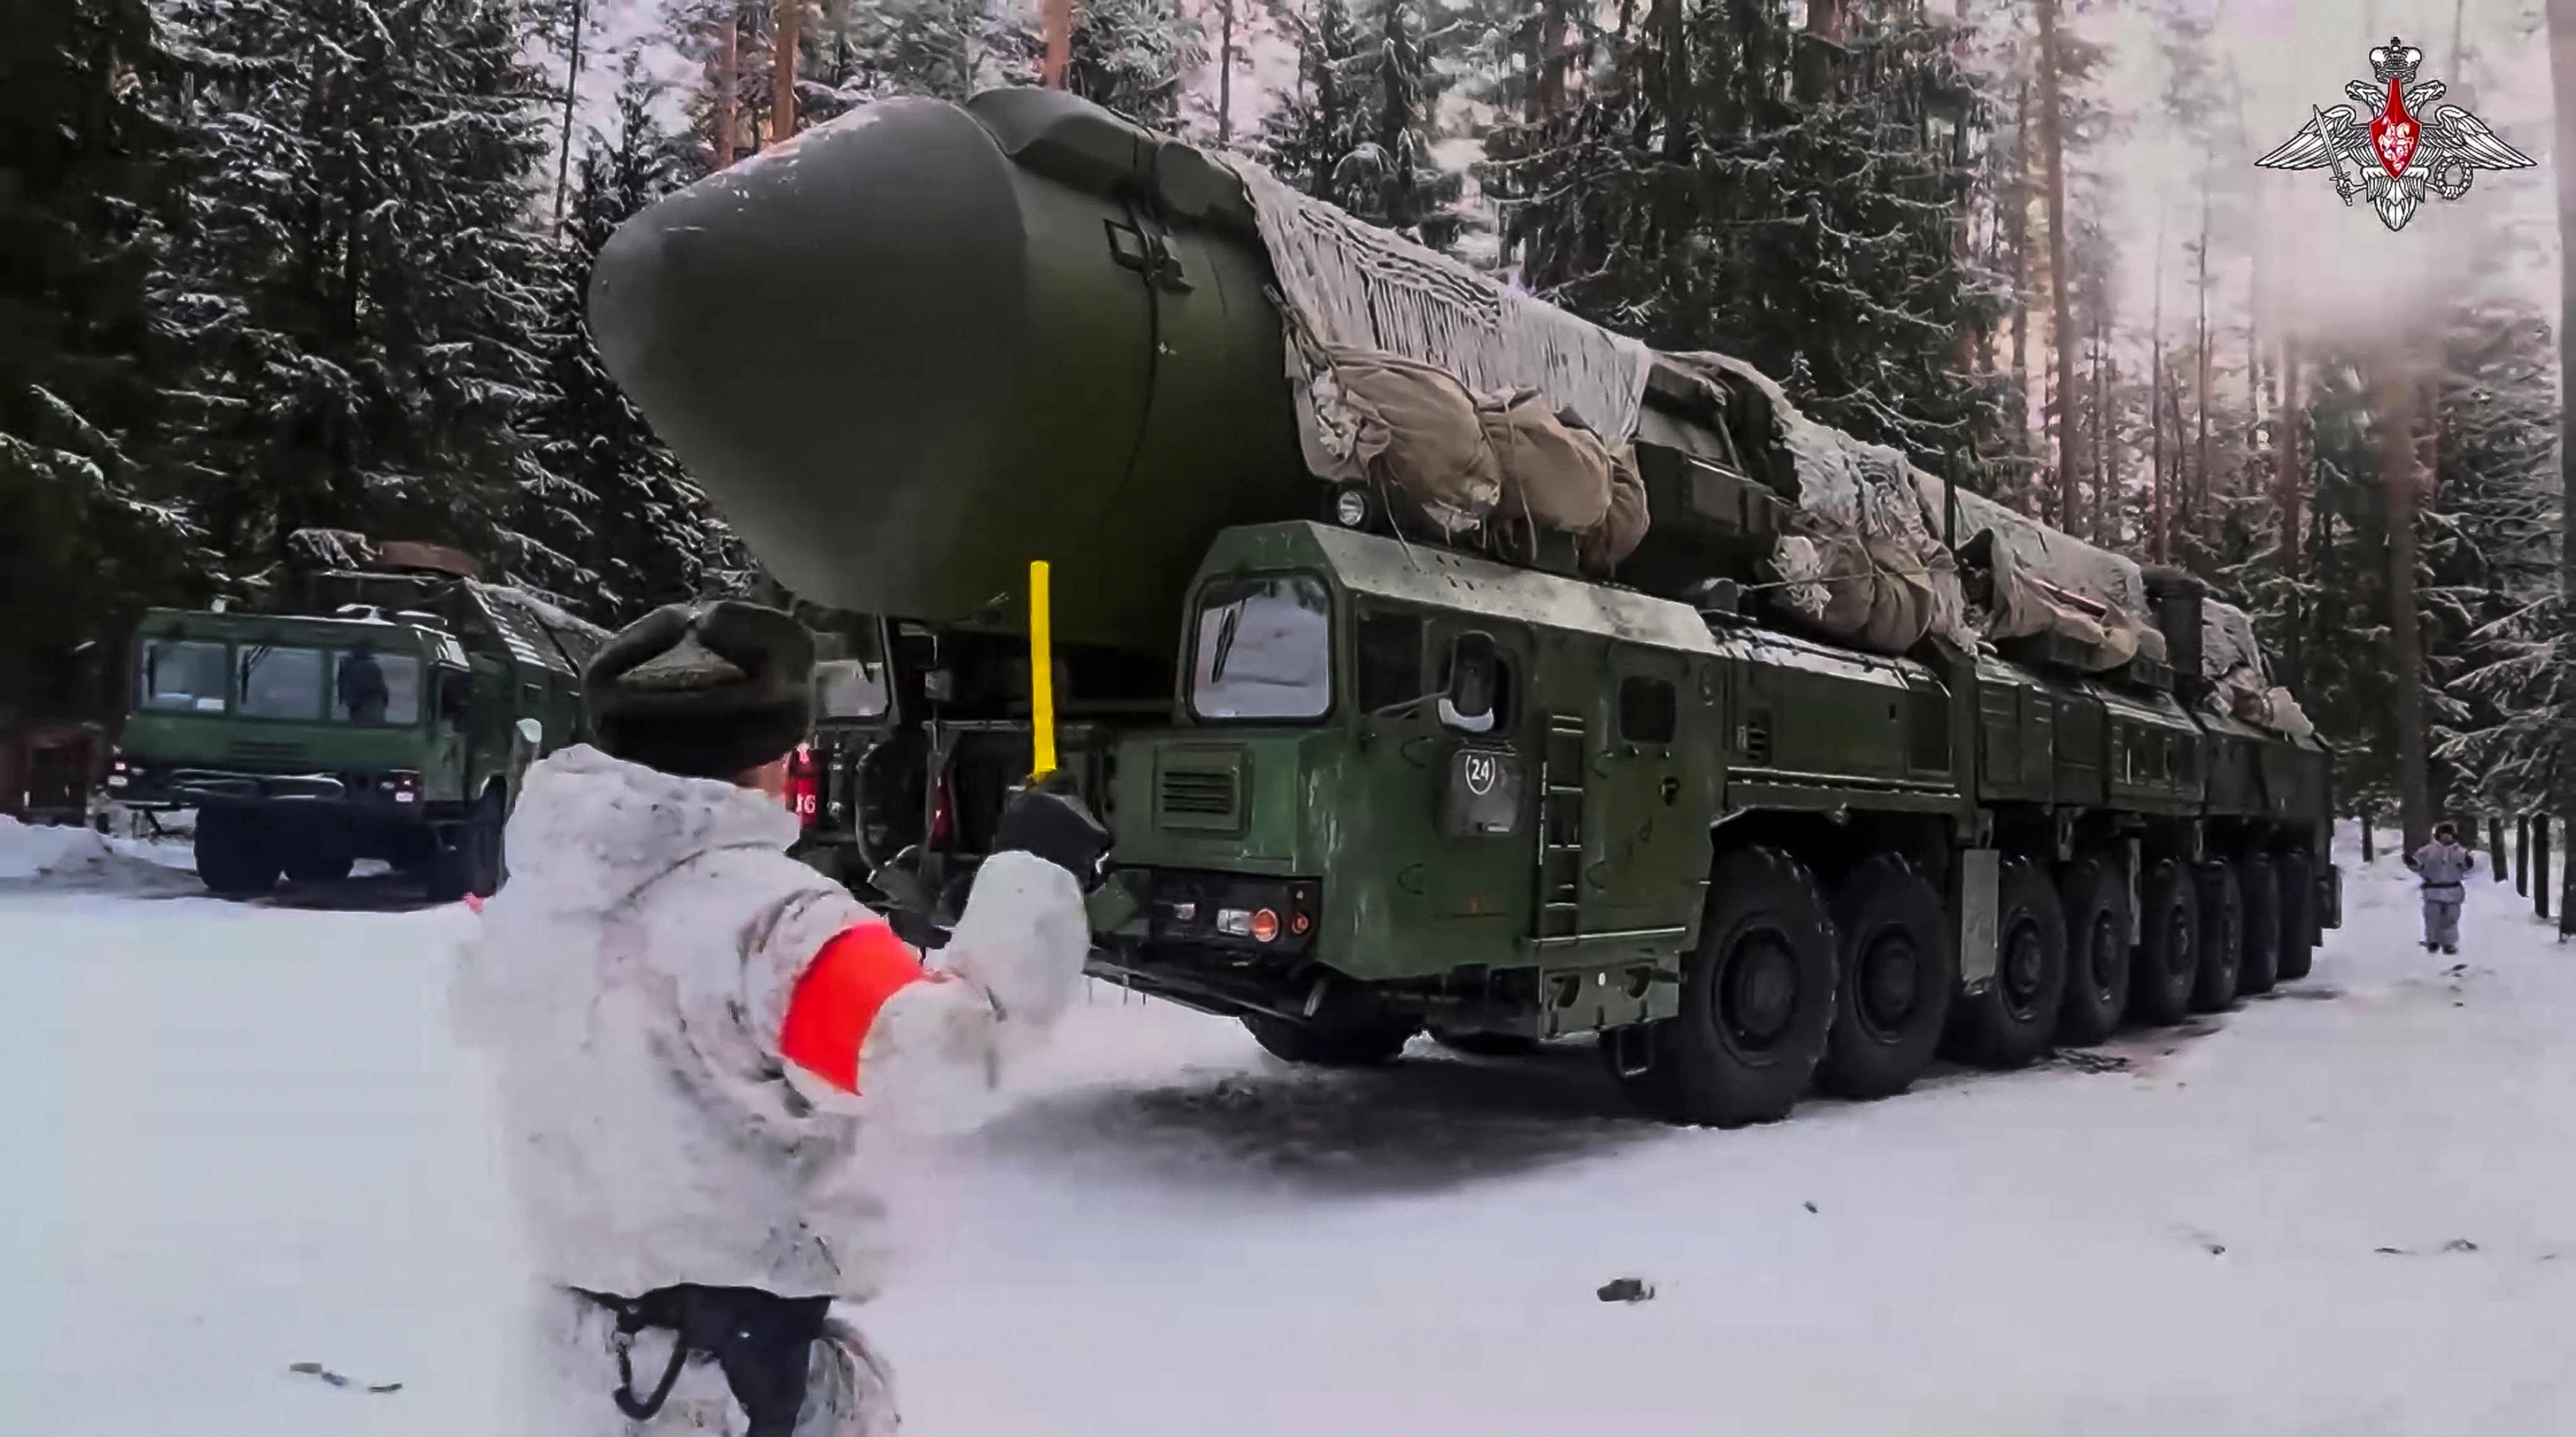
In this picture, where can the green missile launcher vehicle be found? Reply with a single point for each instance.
(1363, 785)
(385, 711)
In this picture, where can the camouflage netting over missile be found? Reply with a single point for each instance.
(1395, 351)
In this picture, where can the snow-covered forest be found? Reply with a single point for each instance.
(267, 264)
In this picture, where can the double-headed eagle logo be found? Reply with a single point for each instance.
(2396, 158)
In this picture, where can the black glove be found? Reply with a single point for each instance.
(1047, 819)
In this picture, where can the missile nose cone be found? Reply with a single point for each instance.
(815, 325)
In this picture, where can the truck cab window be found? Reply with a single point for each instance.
(390, 696)
(1476, 685)
(180, 674)
(1263, 650)
(849, 688)
(281, 683)
(1389, 661)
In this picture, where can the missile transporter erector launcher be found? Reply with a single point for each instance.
(1363, 783)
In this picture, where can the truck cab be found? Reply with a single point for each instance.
(394, 730)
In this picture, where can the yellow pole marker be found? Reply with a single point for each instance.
(1041, 672)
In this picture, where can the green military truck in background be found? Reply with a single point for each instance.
(298, 761)
(1364, 783)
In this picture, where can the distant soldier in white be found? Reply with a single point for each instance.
(2443, 863)
(689, 1028)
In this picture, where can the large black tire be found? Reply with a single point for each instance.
(1893, 981)
(1757, 998)
(2014, 1019)
(2260, 967)
(317, 852)
(2222, 938)
(236, 852)
(2299, 934)
(2095, 892)
(2168, 962)
(1486, 1045)
(470, 861)
(1367, 1041)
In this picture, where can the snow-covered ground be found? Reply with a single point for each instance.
(237, 1139)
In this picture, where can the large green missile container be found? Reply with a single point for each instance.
(921, 345)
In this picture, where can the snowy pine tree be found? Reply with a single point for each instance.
(1704, 196)
(1360, 129)
(88, 181)
(364, 283)
(613, 525)
(1130, 56)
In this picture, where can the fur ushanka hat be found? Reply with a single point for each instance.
(703, 690)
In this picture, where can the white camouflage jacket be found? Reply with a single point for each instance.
(628, 986)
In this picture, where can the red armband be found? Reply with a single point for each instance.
(838, 997)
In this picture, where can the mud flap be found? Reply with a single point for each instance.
(2330, 897)
(1980, 887)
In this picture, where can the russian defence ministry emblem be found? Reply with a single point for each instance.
(2410, 145)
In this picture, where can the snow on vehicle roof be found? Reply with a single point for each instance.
(1417, 573)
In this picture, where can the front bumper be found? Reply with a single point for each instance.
(194, 786)
(1192, 936)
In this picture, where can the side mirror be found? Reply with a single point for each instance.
(455, 693)
(1475, 673)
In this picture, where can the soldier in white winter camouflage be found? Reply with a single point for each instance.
(689, 1029)
(2442, 864)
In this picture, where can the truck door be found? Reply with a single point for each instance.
(1645, 824)
(1447, 813)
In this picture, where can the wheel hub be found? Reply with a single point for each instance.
(1889, 982)
(2104, 957)
(1761, 992)
(2025, 964)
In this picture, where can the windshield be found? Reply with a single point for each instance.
(1264, 650)
(183, 674)
(280, 683)
(849, 688)
(373, 688)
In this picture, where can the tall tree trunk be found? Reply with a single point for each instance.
(2204, 506)
(2017, 227)
(572, 89)
(2061, 334)
(2154, 525)
(788, 19)
(1973, 347)
(2290, 483)
(2398, 479)
(1551, 58)
(728, 75)
(1056, 24)
(2109, 503)
(1820, 51)
(2179, 500)
(1225, 73)
(2562, 81)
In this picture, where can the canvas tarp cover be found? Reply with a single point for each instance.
(1348, 286)
(2041, 581)
(1555, 474)
(1866, 570)
(2240, 680)
(1416, 434)
(1604, 549)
